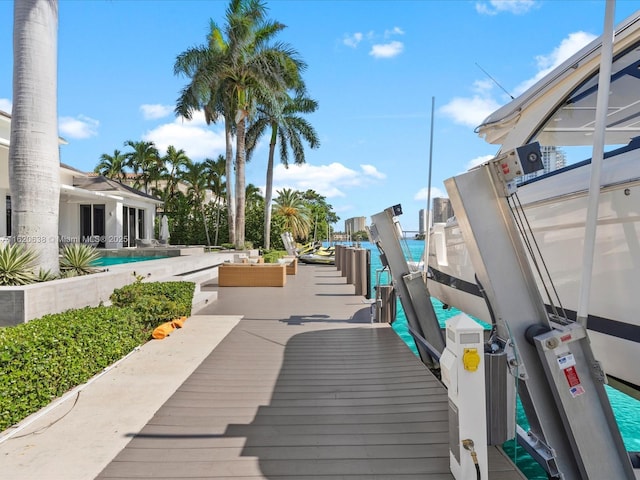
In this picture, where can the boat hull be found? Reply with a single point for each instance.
(318, 259)
(556, 210)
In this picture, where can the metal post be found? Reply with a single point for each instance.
(361, 271)
(338, 256)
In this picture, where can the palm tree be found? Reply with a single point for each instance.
(252, 195)
(216, 98)
(195, 176)
(235, 73)
(34, 162)
(174, 162)
(112, 166)
(215, 170)
(142, 160)
(290, 129)
(290, 205)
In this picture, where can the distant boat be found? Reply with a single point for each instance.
(312, 252)
(321, 255)
(559, 111)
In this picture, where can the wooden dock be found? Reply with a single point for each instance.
(304, 387)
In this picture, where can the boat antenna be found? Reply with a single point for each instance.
(494, 81)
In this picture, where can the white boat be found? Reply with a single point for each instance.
(559, 112)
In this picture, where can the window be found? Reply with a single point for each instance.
(92, 225)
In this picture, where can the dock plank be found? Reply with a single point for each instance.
(304, 387)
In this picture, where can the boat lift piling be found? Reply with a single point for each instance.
(561, 386)
(355, 264)
(410, 287)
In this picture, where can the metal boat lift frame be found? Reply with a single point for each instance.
(573, 432)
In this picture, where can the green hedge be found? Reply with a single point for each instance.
(43, 359)
(156, 302)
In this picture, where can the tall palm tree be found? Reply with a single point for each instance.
(34, 162)
(112, 166)
(237, 72)
(208, 93)
(144, 158)
(194, 176)
(290, 205)
(215, 170)
(290, 129)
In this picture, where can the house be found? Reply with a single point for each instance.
(93, 209)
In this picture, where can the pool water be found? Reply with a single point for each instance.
(108, 261)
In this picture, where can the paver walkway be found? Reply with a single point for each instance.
(303, 387)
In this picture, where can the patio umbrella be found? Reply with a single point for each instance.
(164, 229)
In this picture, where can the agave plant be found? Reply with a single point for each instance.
(16, 265)
(78, 259)
(45, 276)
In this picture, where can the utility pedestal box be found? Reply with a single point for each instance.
(462, 365)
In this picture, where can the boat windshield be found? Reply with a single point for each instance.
(573, 123)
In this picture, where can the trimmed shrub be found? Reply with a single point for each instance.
(272, 256)
(156, 303)
(43, 359)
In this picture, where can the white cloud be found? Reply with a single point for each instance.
(330, 180)
(195, 137)
(153, 112)
(470, 111)
(570, 45)
(474, 162)
(422, 194)
(387, 50)
(352, 40)
(5, 105)
(494, 7)
(393, 31)
(372, 171)
(378, 50)
(79, 127)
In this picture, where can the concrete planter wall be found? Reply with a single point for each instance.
(21, 304)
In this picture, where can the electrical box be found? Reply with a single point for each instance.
(519, 161)
(462, 366)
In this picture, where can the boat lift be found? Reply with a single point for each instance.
(573, 432)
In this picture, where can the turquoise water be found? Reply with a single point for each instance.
(107, 261)
(626, 409)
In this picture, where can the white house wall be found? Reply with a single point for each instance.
(4, 181)
(70, 201)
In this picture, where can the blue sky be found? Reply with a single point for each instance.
(373, 66)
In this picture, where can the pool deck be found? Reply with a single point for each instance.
(265, 383)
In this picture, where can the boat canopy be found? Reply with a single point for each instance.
(560, 109)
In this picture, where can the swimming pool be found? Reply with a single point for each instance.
(108, 261)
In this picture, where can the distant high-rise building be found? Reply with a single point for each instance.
(442, 210)
(423, 221)
(553, 158)
(355, 224)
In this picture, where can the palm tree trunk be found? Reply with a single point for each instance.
(268, 190)
(206, 229)
(241, 157)
(231, 202)
(215, 242)
(34, 164)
